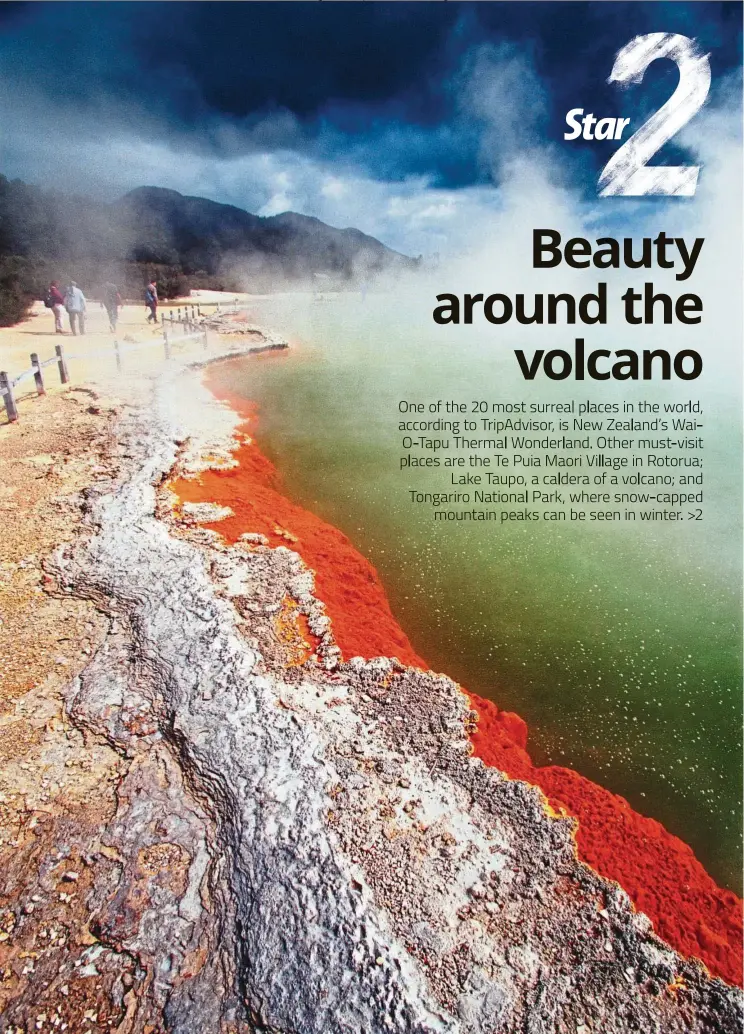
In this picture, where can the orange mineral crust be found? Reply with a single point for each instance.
(657, 870)
(363, 624)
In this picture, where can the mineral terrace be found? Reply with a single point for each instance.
(280, 841)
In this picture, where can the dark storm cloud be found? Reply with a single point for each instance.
(379, 82)
(397, 118)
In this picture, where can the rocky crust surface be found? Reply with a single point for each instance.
(296, 844)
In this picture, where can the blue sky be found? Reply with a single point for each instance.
(388, 116)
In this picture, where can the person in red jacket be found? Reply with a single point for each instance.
(57, 306)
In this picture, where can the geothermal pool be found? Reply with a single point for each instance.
(619, 645)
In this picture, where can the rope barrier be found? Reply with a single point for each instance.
(7, 383)
(19, 378)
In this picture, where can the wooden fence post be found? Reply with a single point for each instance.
(64, 375)
(38, 377)
(205, 337)
(166, 344)
(6, 390)
(118, 355)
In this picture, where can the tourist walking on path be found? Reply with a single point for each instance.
(112, 303)
(151, 301)
(56, 302)
(75, 305)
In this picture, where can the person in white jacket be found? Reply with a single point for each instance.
(75, 305)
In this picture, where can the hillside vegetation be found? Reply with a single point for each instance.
(183, 242)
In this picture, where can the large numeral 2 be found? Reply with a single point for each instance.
(627, 172)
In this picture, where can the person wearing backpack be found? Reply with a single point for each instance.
(55, 301)
(151, 301)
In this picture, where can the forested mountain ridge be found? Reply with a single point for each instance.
(183, 241)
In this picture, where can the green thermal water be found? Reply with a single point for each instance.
(618, 644)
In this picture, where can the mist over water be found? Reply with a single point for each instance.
(619, 644)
